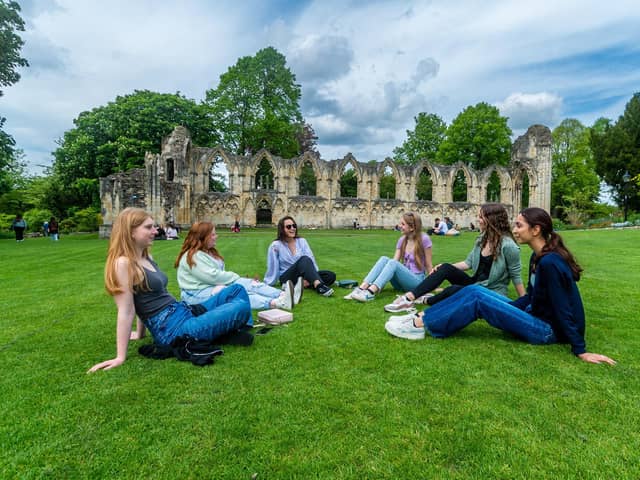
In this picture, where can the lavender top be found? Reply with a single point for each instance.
(409, 259)
(280, 258)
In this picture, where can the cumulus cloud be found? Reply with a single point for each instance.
(427, 68)
(525, 109)
(317, 59)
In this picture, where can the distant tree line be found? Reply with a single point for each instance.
(256, 105)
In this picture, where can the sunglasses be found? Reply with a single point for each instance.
(290, 226)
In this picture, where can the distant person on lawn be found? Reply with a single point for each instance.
(407, 268)
(550, 312)
(19, 225)
(494, 261)
(201, 274)
(290, 257)
(139, 287)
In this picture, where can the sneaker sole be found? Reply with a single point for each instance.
(399, 310)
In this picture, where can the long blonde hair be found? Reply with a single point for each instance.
(121, 244)
(196, 241)
(414, 221)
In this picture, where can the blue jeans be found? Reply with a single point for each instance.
(470, 303)
(227, 311)
(260, 294)
(389, 270)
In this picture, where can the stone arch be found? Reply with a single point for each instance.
(455, 178)
(305, 185)
(170, 169)
(264, 210)
(382, 173)
(342, 168)
(269, 183)
(422, 188)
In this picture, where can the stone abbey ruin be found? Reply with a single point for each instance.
(177, 186)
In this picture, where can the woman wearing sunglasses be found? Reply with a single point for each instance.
(290, 258)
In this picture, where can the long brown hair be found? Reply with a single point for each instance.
(281, 230)
(121, 244)
(196, 241)
(553, 242)
(496, 221)
(414, 221)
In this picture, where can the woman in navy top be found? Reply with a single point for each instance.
(550, 312)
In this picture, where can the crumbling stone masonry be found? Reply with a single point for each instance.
(174, 187)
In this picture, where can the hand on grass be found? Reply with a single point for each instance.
(596, 358)
(106, 365)
(135, 336)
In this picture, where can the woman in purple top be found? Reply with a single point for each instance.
(291, 258)
(406, 269)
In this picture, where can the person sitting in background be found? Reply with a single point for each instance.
(160, 233)
(441, 228)
(172, 233)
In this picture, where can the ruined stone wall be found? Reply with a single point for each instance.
(174, 187)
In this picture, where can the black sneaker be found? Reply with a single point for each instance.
(323, 290)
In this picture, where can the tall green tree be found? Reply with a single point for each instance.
(616, 149)
(257, 105)
(423, 141)
(10, 43)
(574, 183)
(479, 136)
(11, 164)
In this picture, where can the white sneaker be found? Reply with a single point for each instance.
(285, 300)
(403, 318)
(400, 304)
(298, 290)
(349, 296)
(405, 330)
(423, 299)
(363, 296)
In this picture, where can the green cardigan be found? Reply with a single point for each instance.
(505, 268)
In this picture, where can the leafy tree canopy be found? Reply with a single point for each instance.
(257, 105)
(479, 137)
(10, 43)
(574, 183)
(423, 142)
(616, 149)
(116, 136)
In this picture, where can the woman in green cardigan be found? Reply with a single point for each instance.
(494, 261)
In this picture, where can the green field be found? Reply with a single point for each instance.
(331, 395)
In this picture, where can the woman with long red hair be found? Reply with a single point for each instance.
(201, 273)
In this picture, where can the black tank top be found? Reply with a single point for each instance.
(150, 302)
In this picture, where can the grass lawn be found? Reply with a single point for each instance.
(331, 395)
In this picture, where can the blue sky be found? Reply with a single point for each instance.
(366, 68)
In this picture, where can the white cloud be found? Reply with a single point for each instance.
(525, 109)
(366, 68)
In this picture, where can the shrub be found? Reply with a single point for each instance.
(35, 218)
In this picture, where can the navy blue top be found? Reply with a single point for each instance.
(553, 296)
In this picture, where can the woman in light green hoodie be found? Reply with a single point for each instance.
(201, 274)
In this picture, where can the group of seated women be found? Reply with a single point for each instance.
(550, 310)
